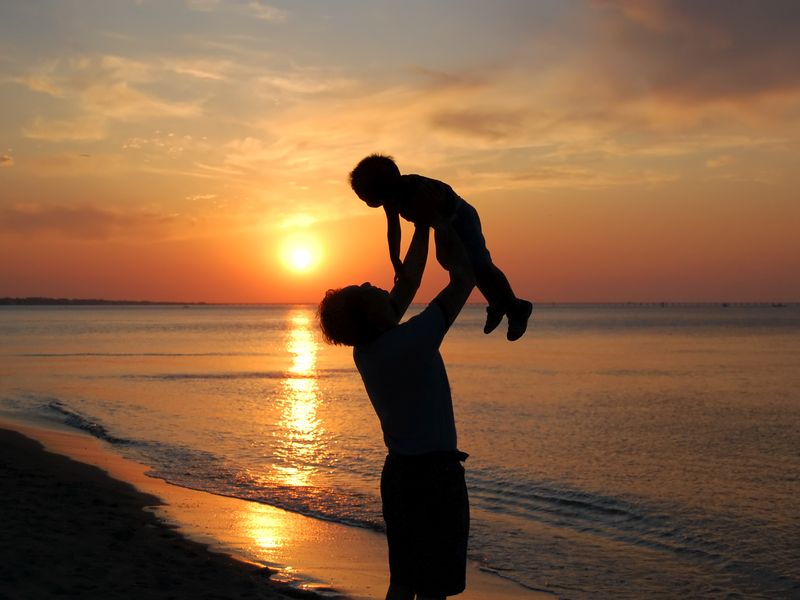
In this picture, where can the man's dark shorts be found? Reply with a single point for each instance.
(426, 510)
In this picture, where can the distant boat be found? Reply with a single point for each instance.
(778, 305)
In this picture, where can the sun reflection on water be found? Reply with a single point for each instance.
(300, 445)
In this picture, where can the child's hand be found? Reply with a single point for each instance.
(399, 270)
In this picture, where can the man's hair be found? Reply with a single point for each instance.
(343, 318)
(374, 176)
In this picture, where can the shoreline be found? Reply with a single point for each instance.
(72, 531)
(302, 555)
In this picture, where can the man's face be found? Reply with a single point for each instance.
(377, 304)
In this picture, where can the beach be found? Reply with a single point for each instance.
(80, 521)
(72, 531)
(615, 451)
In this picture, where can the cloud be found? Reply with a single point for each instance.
(80, 222)
(214, 70)
(252, 8)
(6, 160)
(718, 162)
(204, 5)
(41, 83)
(100, 89)
(120, 101)
(267, 12)
(712, 49)
(487, 124)
(82, 128)
(305, 84)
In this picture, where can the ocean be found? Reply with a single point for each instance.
(615, 451)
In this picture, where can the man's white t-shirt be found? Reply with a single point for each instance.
(406, 382)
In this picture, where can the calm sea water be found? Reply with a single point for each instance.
(621, 452)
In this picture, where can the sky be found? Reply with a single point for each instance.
(616, 150)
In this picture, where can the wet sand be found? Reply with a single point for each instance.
(71, 531)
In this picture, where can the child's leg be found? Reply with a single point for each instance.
(491, 281)
(494, 286)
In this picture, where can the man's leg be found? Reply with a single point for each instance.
(398, 592)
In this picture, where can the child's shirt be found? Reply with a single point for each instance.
(426, 201)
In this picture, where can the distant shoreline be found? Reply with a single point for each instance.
(44, 301)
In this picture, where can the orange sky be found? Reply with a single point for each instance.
(615, 150)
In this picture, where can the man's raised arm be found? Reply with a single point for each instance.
(408, 282)
(453, 257)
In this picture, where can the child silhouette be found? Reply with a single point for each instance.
(427, 202)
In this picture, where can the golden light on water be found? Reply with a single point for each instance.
(302, 346)
(300, 445)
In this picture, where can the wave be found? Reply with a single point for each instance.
(671, 530)
(76, 420)
(227, 375)
(201, 470)
(134, 354)
(586, 512)
(552, 504)
(234, 375)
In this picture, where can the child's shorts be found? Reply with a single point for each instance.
(426, 510)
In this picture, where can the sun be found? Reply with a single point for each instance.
(301, 254)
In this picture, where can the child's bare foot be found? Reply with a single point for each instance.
(518, 319)
(494, 316)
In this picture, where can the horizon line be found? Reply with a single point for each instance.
(64, 301)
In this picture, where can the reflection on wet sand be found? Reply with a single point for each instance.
(265, 528)
(300, 434)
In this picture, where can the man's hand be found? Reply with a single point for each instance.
(399, 272)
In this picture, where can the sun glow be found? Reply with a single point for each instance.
(301, 254)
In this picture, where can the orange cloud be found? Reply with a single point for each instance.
(81, 222)
(84, 127)
(705, 50)
(97, 90)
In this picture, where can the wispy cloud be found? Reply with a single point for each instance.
(81, 128)
(267, 12)
(97, 90)
(705, 50)
(718, 162)
(252, 8)
(81, 222)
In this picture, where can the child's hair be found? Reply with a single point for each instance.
(374, 177)
(343, 318)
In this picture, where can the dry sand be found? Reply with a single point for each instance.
(68, 530)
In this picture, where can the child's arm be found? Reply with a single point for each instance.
(413, 267)
(394, 236)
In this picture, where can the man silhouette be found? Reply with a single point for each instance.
(424, 496)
